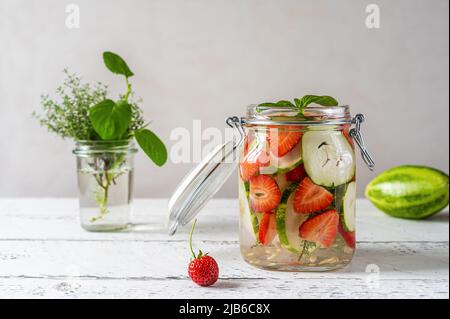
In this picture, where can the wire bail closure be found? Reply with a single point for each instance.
(235, 123)
(357, 136)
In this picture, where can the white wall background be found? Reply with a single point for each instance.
(208, 59)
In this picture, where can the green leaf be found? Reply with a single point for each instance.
(152, 146)
(285, 103)
(302, 103)
(282, 103)
(110, 120)
(321, 100)
(116, 64)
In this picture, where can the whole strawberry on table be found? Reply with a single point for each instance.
(203, 269)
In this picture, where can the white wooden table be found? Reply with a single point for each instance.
(45, 254)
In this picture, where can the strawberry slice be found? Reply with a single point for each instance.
(249, 168)
(310, 198)
(349, 237)
(246, 145)
(321, 229)
(283, 140)
(297, 174)
(265, 195)
(264, 159)
(267, 228)
(252, 162)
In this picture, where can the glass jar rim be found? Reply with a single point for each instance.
(89, 147)
(289, 116)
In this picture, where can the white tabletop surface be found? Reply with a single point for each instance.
(45, 254)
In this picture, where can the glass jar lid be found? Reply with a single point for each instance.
(289, 116)
(205, 180)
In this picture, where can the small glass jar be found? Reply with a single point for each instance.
(297, 186)
(297, 189)
(105, 183)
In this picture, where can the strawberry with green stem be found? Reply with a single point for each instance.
(203, 269)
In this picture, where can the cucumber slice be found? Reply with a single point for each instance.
(249, 220)
(288, 221)
(349, 208)
(282, 182)
(289, 161)
(328, 157)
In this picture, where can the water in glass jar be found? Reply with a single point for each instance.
(297, 208)
(105, 198)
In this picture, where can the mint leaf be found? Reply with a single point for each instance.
(282, 103)
(152, 146)
(285, 103)
(321, 100)
(116, 64)
(302, 103)
(109, 119)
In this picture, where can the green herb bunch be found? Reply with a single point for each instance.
(84, 112)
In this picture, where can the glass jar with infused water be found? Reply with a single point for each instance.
(297, 186)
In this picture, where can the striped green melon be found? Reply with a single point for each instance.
(412, 192)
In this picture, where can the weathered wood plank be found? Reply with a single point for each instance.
(228, 289)
(167, 260)
(45, 254)
(57, 219)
